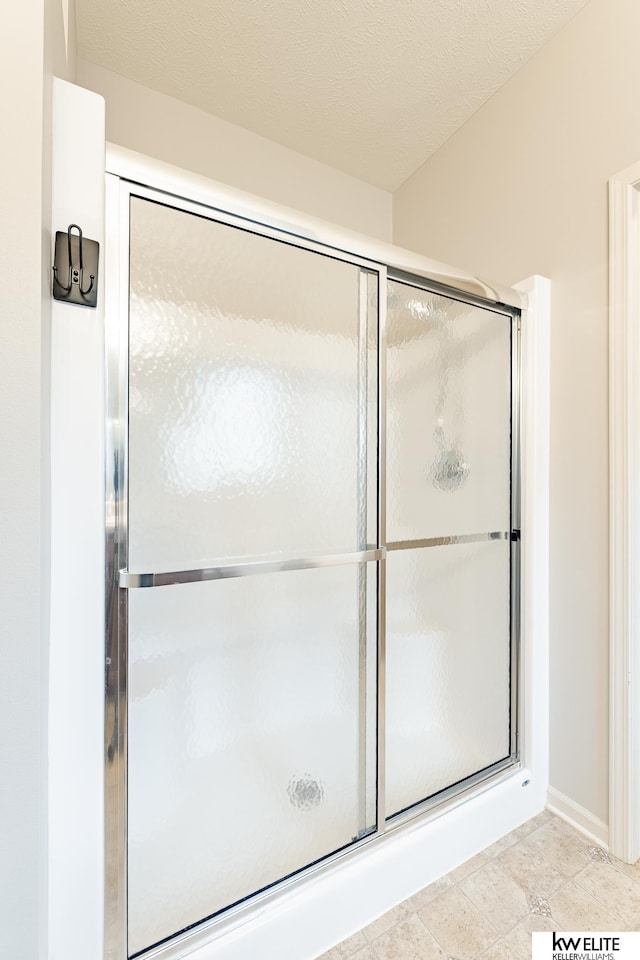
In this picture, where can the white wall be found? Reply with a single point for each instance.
(37, 38)
(21, 677)
(522, 188)
(167, 129)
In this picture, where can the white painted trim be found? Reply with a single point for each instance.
(624, 514)
(535, 340)
(578, 817)
(76, 651)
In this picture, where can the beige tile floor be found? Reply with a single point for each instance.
(543, 876)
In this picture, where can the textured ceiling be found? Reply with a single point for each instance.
(371, 87)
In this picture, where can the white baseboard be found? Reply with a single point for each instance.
(584, 821)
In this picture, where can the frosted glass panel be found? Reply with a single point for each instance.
(249, 754)
(448, 662)
(247, 376)
(448, 417)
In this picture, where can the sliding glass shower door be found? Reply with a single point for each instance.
(251, 604)
(312, 555)
(449, 508)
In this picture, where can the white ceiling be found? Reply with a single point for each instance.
(371, 87)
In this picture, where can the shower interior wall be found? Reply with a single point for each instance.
(326, 910)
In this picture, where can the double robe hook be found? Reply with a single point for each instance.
(72, 258)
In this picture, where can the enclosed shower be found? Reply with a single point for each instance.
(313, 511)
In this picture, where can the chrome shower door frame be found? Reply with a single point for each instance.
(469, 785)
(119, 579)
